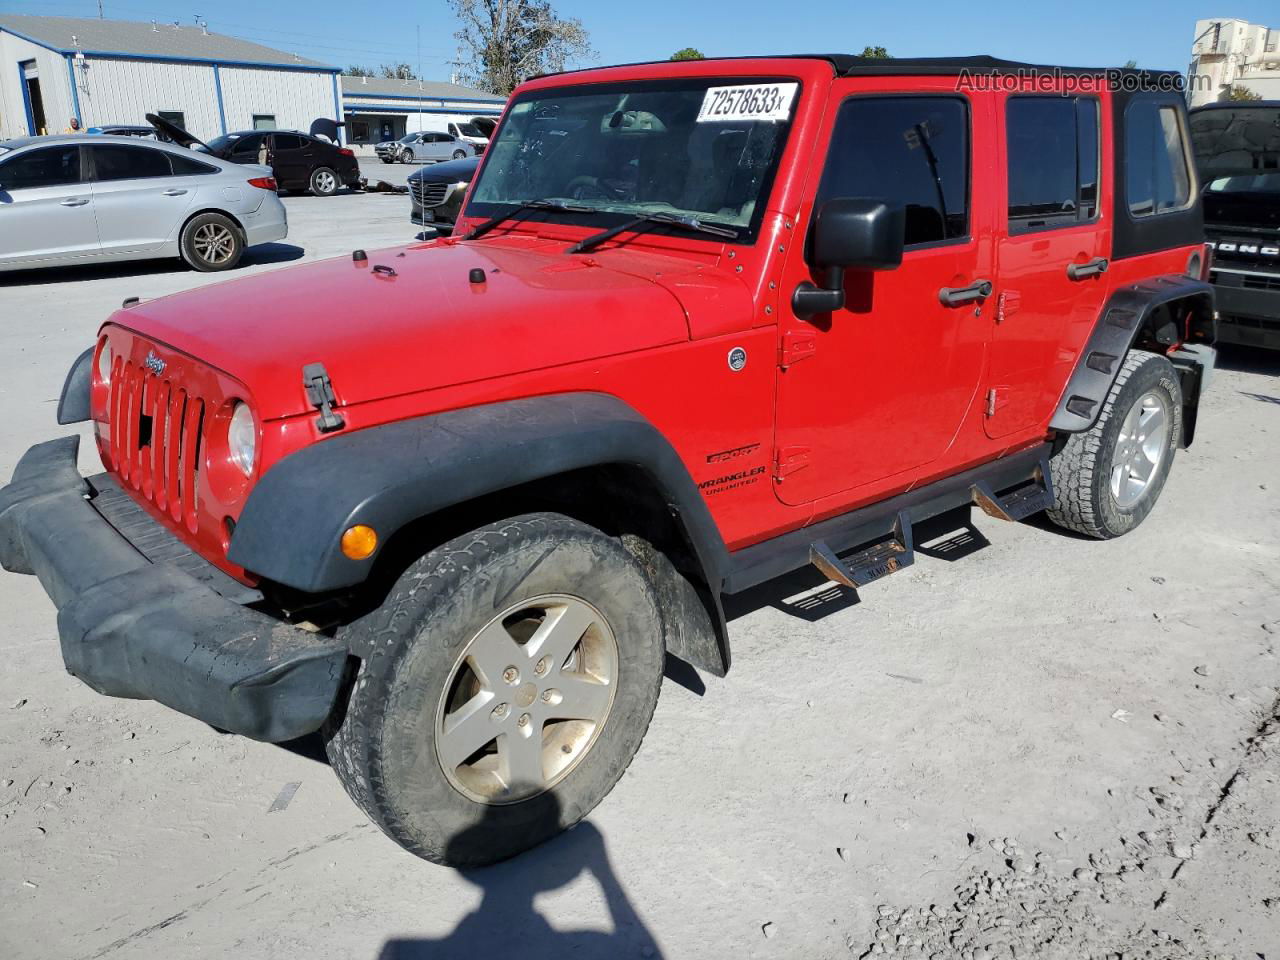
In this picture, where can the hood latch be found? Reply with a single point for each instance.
(321, 396)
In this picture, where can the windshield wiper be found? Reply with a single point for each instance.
(548, 204)
(692, 224)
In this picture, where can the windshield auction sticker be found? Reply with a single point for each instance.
(753, 101)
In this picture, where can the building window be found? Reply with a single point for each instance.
(1272, 37)
(176, 117)
(264, 121)
(359, 131)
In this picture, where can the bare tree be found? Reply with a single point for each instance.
(398, 71)
(356, 70)
(504, 42)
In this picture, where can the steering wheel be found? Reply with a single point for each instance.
(586, 188)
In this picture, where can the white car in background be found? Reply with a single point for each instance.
(78, 199)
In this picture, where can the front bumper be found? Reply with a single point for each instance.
(130, 627)
(1248, 315)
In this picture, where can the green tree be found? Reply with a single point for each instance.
(1243, 94)
(355, 70)
(689, 53)
(875, 53)
(1131, 64)
(398, 71)
(504, 42)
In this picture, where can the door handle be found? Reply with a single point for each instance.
(73, 202)
(959, 296)
(174, 192)
(1081, 271)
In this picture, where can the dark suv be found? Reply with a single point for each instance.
(298, 160)
(1237, 149)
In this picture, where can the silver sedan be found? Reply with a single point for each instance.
(78, 199)
(432, 146)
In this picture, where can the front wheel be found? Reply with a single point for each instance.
(211, 242)
(324, 182)
(507, 681)
(1107, 479)
(406, 155)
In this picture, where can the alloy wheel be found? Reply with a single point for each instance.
(214, 243)
(1140, 448)
(526, 699)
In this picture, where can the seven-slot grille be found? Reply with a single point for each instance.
(156, 428)
(428, 194)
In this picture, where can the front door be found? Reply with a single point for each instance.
(290, 159)
(879, 389)
(46, 206)
(138, 201)
(1050, 258)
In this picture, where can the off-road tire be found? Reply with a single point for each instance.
(324, 182)
(382, 745)
(193, 241)
(1081, 472)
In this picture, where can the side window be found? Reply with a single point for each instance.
(912, 150)
(286, 141)
(112, 162)
(1052, 160)
(188, 167)
(50, 167)
(247, 145)
(1157, 175)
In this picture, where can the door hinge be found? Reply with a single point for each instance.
(997, 397)
(787, 460)
(321, 396)
(796, 347)
(1007, 305)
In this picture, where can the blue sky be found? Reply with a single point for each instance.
(1081, 33)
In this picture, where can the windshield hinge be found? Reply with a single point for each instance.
(320, 394)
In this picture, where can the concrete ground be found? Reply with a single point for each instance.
(1028, 744)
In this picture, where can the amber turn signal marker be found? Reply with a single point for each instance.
(359, 541)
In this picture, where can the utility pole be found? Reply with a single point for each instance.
(99, 9)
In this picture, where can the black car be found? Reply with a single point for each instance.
(438, 190)
(298, 160)
(1237, 147)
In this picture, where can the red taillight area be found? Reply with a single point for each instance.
(344, 152)
(263, 183)
(1206, 263)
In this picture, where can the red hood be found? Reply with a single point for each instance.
(428, 325)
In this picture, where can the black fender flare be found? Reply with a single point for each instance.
(392, 475)
(1124, 316)
(73, 404)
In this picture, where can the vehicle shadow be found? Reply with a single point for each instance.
(1248, 360)
(506, 921)
(266, 253)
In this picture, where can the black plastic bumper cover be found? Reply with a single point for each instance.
(131, 628)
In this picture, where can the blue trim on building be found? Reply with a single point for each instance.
(337, 111)
(26, 98)
(497, 101)
(75, 91)
(217, 89)
(360, 108)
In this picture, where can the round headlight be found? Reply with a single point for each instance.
(242, 438)
(104, 363)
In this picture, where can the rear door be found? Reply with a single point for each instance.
(879, 389)
(46, 206)
(1051, 256)
(137, 200)
(439, 146)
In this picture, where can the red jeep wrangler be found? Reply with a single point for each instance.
(701, 324)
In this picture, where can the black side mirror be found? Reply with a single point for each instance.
(849, 233)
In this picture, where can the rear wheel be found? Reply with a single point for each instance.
(324, 182)
(1107, 479)
(509, 679)
(459, 154)
(211, 242)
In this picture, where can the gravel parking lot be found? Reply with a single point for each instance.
(1027, 744)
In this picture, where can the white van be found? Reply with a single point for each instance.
(455, 126)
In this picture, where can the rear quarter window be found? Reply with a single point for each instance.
(1157, 160)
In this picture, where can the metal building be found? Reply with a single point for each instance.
(111, 72)
(376, 108)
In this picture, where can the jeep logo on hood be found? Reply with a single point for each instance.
(154, 363)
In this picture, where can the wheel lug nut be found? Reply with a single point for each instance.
(523, 721)
(511, 675)
(546, 696)
(542, 666)
(499, 711)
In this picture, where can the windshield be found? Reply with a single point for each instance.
(703, 148)
(224, 141)
(1258, 183)
(469, 130)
